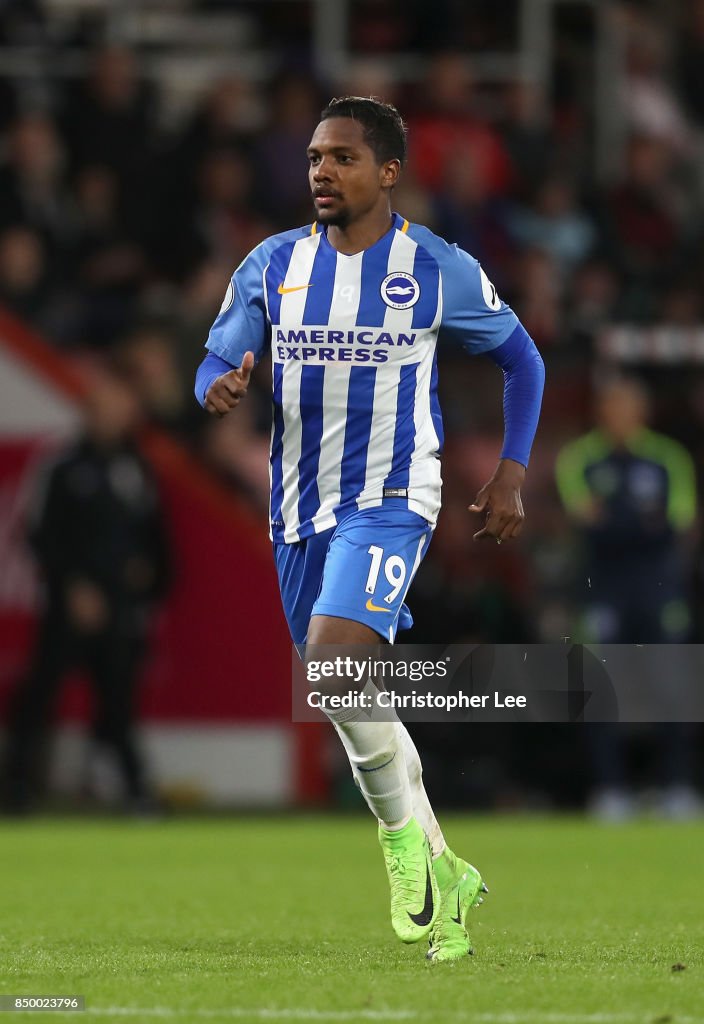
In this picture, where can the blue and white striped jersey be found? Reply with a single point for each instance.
(353, 343)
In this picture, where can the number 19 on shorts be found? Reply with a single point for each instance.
(394, 573)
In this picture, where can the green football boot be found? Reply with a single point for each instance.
(461, 888)
(415, 898)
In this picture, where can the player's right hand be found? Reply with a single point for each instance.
(226, 391)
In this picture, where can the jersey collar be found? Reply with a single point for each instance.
(398, 223)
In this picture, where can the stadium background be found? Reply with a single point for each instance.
(147, 147)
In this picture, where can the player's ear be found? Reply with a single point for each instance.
(390, 173)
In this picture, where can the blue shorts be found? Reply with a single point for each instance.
(360, 569)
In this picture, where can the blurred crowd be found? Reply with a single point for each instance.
(119, 233)
(120, 228)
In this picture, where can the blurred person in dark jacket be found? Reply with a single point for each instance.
(33, 186)
(631, 493)
(106, 260)
(98, 534)
(109, 117)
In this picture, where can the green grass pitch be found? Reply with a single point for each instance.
(281, 919)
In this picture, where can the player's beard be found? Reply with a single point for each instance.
(336, 219)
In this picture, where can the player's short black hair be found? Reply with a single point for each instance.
(384, 130)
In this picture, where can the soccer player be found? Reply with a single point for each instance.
(351, 308)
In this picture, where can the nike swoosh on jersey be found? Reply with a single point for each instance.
(375, 608)
(296, 288)
(426, 914)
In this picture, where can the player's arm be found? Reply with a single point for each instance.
(237, 339)
(475, 316)
(524, 377)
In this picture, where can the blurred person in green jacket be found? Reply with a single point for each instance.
(631, 494)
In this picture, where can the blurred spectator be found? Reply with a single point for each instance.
(109, 118)
(108, 264)
(223, 223)
(650, 104)
(231, 113)
(98, 535)
(681, 305)
(370, 76)
(554, 222)
(224, 218)
(240, 455)
(537, 296)
(640, 223)
(282, 183)
(24, 280)
(448, 130)
(415, 201)
(32, 181)
(193, 310)
(380, 26)
(526, 135)
(228, 117)
(149, 360)
(22, 20)
(630, 493)
(99, 227)
(465, 213)
(690, 60)
(594, 292)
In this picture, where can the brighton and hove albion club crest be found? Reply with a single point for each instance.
(229, 298)
(400, 290)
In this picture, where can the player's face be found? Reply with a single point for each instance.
(345, 178)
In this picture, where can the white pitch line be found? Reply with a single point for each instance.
(252, 1013)
(284, 1013)
(576, 1018)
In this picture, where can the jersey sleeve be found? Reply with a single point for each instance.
(242, 325)
(473, 315)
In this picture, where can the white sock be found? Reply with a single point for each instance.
(422, 811)
(376, 755)
(420, 804)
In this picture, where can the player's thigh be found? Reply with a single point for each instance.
(300, 571)
(372, 558)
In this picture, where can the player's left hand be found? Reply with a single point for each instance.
(500, 500)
